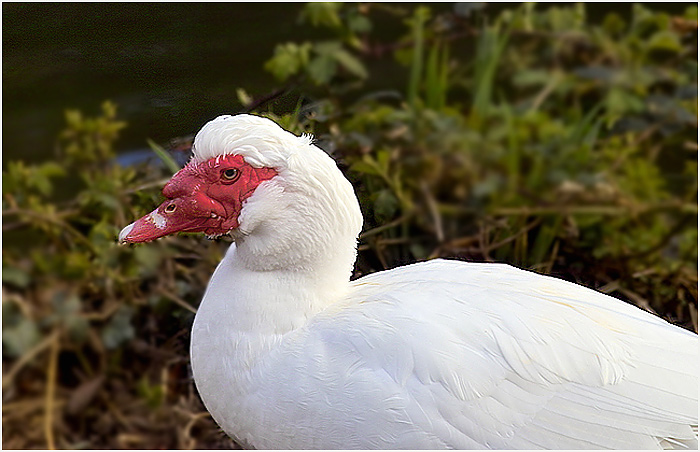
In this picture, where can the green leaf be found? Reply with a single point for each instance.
(327, 48)
(417, 23)
(74, 119)
(19, 338)
(383, 160)
(322, 68)
(51, 169)
(532, 78)
(365, 167)
(149, 259)
(152, 393)
(359, 23)
(77, 265)
(436, 76)
(288, 59)
(323, 14)
(351, 63)
(490, 45)
(15, 276)
(620, 101)
(163, 155)
(385, 206)
(613, 24)
(665, 40)
(542, 246)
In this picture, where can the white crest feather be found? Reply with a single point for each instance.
(259, 140)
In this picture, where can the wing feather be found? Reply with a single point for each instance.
(492, 356)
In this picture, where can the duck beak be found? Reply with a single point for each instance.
(187, 208)
(161, 222)
(196, 204)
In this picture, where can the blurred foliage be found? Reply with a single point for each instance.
(109, 319)
(534, 137)
(531, 135)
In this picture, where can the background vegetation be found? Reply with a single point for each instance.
(535, 135)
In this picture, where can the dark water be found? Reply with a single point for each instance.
(170, 67)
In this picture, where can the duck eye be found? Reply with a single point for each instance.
(229, 174)
(170, 208)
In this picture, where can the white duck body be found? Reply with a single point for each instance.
(287, 353)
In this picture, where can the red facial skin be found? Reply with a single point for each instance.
(202, 197)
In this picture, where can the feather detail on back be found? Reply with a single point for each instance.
(451, 354)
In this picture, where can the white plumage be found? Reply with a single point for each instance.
(287, 353)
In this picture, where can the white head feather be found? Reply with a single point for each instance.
(304, 213)
(260, 140)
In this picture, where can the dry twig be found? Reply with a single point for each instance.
(51, 391)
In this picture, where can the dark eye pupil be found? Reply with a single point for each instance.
(230, 173)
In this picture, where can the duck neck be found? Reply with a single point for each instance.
(293, 255)
(253, 295)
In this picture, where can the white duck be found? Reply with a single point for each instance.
(288, 353)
